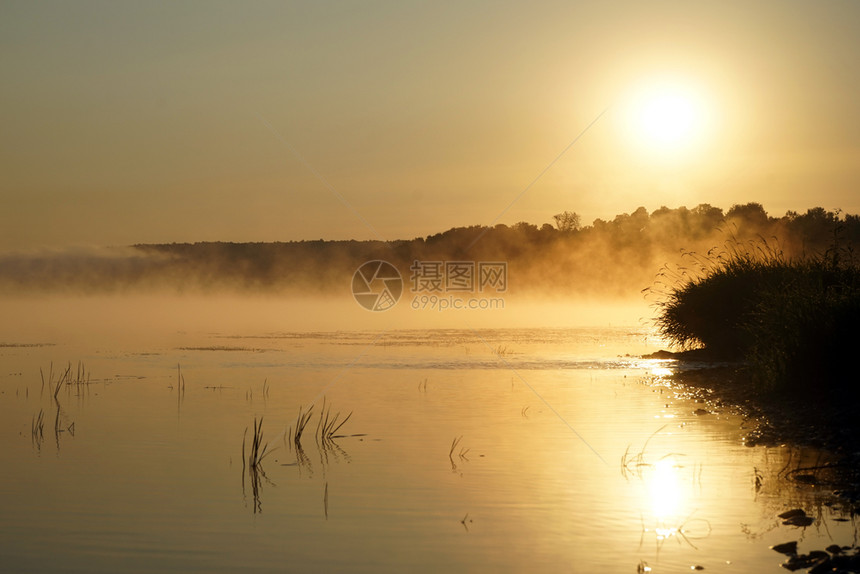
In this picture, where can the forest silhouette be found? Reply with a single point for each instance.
(617, 257)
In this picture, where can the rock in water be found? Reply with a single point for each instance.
(786, 547)
(791, 513)
(814, 558)
(802, 521)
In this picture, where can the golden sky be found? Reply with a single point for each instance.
(127, 122)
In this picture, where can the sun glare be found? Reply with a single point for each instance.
(665, 490)
(667, 119)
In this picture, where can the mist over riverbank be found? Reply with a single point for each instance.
(615, 258)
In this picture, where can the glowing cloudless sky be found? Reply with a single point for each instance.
(264, 121)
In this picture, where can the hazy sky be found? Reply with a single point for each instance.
(125, 122)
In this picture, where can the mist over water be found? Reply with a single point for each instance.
(613, 259)
(484, 439)
(144, 319)
(308, 287)
(570, 277)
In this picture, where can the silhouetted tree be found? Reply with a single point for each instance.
(567, 221)
(752, 213)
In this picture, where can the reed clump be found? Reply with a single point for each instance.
(80, 379)
(794, 322)
(258, 450)
(329, 424)
(37, 428)
(461, 454)
(252, 461)
(301, 422)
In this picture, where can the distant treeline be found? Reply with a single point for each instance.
(619, 257)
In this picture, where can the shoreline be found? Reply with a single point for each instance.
(784, 420)
(811, 420)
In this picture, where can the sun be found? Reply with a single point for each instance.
(667, 119)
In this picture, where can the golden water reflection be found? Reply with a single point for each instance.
(664, 489)
(667, 500)
(527, 494)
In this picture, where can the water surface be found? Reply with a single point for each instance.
(573, 455)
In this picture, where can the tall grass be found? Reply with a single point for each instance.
(463, 451)
(252, 461)
(794, 322)
(258, 449)
(80, 379)
(328, 425)
(707, 303)
(301, 422)
(37, 428)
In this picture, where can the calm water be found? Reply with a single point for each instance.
(137, 475)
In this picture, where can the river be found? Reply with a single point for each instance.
(485, 449)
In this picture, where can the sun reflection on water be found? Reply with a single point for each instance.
(665, 489)
(667, 492)
(661, 372)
